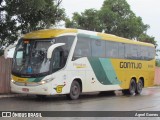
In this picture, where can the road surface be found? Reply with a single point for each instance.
(149, 100)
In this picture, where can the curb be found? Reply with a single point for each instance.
(11, 95)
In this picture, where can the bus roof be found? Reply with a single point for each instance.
(51, 33)
(115, 38)
(48, 33)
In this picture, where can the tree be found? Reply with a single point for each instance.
(158, 62)
(23, 16)
(118, 19)
(88, 20)
(1, 7)
(146, 38)
(114, 17)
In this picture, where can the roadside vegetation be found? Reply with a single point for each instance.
(115, 17)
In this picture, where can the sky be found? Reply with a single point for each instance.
(148, 10)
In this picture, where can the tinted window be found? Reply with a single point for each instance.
(98, 48)
(128, 51)
(139, 57)
(134, 51)
(138, 52)
(144, 52)
(87, 47)
(151, 53)
(121, 50)
(112, 49)
(68, 40)
(83, 48)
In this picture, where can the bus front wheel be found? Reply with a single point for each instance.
(74, 91)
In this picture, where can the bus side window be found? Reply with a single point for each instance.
(139, 57)
(134, 52)
(58, 59)
(82, 48)
(121, 49)
(111, 49)
(68, 40)
(144, 53)
(151, 53)
(98, 48)
(128, 52)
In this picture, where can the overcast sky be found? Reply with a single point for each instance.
(148, 10)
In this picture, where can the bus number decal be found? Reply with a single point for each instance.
(59, 88)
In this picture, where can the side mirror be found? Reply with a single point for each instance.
(7, 50)
(51, 49)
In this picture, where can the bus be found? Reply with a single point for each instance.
(73, 61)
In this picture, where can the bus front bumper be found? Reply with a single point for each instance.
(44, 89)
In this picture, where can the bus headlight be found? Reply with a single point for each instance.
(12, 81)
(46, 80)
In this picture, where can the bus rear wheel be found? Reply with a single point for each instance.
(74, 91)
(139, 87)
(132, 88)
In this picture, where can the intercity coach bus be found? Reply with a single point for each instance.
(73, 61)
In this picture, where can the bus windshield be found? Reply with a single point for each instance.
(30, 59)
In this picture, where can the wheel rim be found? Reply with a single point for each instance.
(75, 90)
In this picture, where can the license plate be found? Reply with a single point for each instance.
(25, 89)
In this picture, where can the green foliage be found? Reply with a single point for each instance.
(114, 17)
(23, 16)
(118, 19)
(88, 20)
(146, 38)
(158, 63)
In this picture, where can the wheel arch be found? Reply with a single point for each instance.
(134, 78)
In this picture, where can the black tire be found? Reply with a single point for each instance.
(75, 91)
(139, 87)
(132, 88)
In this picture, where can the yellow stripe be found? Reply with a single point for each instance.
(120, 39)
(48, 33)
(18, 79)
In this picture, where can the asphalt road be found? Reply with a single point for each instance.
(149, 100)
